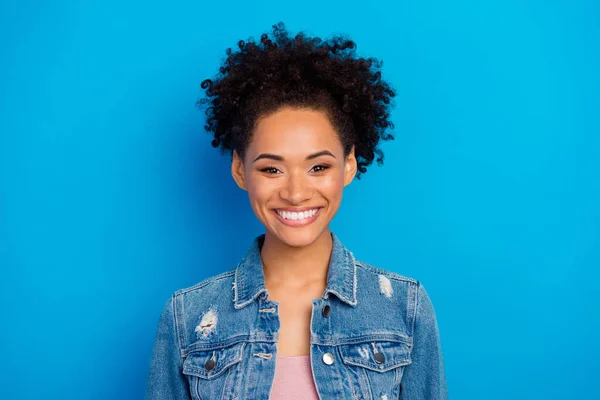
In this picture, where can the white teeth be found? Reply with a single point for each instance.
(294, 216)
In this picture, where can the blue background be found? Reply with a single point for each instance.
(111, 196)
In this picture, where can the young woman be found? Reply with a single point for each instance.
(299, 317)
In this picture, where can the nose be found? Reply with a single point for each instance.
(295, 189)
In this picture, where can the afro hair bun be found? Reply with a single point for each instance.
(259, 78)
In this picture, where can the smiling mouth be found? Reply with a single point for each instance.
(295, 218)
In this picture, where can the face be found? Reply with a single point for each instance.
(295, 171)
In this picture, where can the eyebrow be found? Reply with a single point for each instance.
(279, 158)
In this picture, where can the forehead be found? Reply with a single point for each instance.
(294, 131)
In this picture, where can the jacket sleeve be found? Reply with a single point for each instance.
(165, 379)
(424, 378)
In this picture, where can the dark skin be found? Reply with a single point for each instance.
(295, 163)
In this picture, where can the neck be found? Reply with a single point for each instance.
(296, 266)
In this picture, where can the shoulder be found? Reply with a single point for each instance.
(378, 271)
(389, 281)
(408, 291)
(219, 279)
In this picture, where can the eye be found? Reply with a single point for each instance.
(269, 170)
(320, 168)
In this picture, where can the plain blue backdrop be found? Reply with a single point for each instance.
(111, 196)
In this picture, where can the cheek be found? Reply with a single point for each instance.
(259, 193)
(332, 186)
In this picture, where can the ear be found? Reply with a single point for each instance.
(350, 167)
(237, 170)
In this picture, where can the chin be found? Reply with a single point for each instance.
(297, 237)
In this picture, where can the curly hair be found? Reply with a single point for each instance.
(304, 72)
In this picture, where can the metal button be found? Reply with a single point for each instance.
(210, 364)
(328, 358)
(326, 311)
(379, 358)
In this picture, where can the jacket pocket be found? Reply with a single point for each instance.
(212, 372)
(376, 367)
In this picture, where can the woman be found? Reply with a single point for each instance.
(299, 317)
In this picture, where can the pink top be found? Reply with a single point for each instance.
(293, 379)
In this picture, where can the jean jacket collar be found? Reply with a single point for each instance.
(249, 280)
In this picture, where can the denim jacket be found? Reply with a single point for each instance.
(373, 336)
